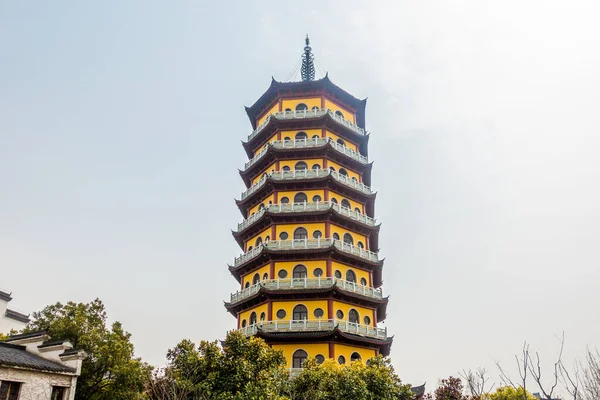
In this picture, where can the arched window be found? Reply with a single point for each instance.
(338, 274)
(300, 166)
(350, 276)
(299, 272)
(267, 238)
(300, 198)
(317, 234)
(353, 316)
(363, 281)
(300, 313)
(360, 245)
(316, 167)
(346, 203)
(316, 198)
(332, 169)
(247, 285)
(348, 238)
(249, 248)
(300, 234)
(301, 135)
(315, 136)
(284, 200)
(258, 242)
(336, 236)
(262, 316)
(252, 318)
(342, 360)
(298, 358)
(340, 141)
(355, 357)
(287, 137)
(301, 107)
(262, 206)
(255, 279)
(343, 172)
(315, 108)
(243, 323)
(285, 168)
(265, 277)
(339, 113)
(288, 109)
(357, 209)
(334, 200)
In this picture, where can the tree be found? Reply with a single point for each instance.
(330, 381)
(450, 389)
(509, 393)
(591, 375)
(111, 370)
(241, 369)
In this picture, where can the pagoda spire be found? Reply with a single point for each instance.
(308, 67)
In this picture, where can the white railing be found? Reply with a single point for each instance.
(294, 372)
(307, 174)
(307, 143)
(308, 325)
(307, 207)
(307, 283)
(301, 244)
(286, 115)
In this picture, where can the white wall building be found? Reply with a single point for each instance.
(10, 319)
(33, 367)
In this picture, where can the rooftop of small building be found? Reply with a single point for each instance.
(13, 355)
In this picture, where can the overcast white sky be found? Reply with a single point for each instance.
(120, 130)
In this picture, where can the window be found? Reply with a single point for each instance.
(316, 167)
(359, 244)
(283, 236)
(265, 276)
(315, 108)
(316, 198)
(281, 314)
(350, 276)
(315, 136)
(317, 234)
(334, 200)
(301, 166)
(301, 107)
(256, 279)
(332, 169)
(299, 272)
(262, 206)
(249, 248)
(339, 314)
(267, 238)
(286, 168)
(354, 179)
(342, 360)
(262, 316)
(336, 236)
(243, 323)
(340, 141)
(298, 358)
(318, 272)
(319, 358)
(253, 318)
(337, 274)
(357, 209)
(288, 109)
(258, 242)
(353, 316)
(348, 238)
(367, 320)
(345, 203)
(339, 114)
(355, 357)
(58, 393)
(284, 200)
(247, 285)
(318, 312)
(300, 198)
(287, 137)
(300, 234)
(282, 274)
(301, 135)
(9, 390)
(343, 172)
(363, 281)
(300, 313)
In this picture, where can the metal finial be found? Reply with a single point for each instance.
(308, 67)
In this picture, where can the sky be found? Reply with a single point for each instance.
(120, 138)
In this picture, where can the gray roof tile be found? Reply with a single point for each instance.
(12, 355)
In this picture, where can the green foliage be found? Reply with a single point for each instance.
(357, 381)
(509, 393)
(110, 371)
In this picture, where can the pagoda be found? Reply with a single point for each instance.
(310, 274)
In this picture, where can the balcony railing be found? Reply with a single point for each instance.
(307, 283)
(307, 143)
(302, 244)
(307, 174)
(307, 207)
(315, 326)
(287, 115)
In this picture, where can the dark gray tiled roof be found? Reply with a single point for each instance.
(12, 355)
(5, 296)
(27, 335)
(17, 316)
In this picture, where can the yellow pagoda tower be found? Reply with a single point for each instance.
(310, 274)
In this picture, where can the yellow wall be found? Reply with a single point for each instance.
(269, 198)
(310, 228)
(258, 309)
(261, 271)
(273, 109)
(310, 305)
(292, 134)
(335, 137)
(252, 240)
(351, 173)
(346, 351)
(334, 107)
(358, 272)
(309, 193)
(362, 311)
(312, 349)
(353, 203)
(310, 102)
(340, 231)
(310, 267)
